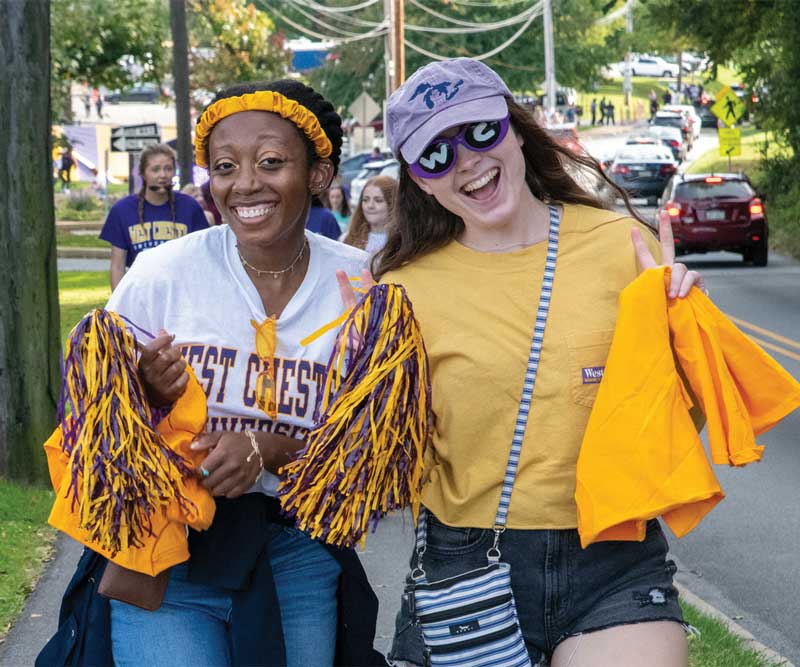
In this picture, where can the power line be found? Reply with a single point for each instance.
(298, 8)
(471, 24)
(482, 56)
(378, 32)
(480, 27)
(338, 10)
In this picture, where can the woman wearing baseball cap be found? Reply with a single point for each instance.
(484, 192)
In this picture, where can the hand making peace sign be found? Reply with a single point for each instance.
(682, 278)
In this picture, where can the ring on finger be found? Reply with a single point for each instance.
(204, 472)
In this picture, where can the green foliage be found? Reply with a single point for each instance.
(111, 44)
(777, 177)
(232, 41)
(80, 206)
(761, 38)
(24, 544)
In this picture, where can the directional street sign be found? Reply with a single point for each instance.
(364, 109)
(132, 145)
(730, 141)
(728, 107)
(133, 138)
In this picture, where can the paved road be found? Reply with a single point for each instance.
(743, 559)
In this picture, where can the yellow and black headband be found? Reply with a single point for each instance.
(262, 100)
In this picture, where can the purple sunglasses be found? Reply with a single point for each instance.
(439, 156)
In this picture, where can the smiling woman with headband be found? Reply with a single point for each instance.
(236, 300)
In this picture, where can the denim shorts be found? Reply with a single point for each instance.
(560, 589)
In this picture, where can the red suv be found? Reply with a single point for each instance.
(717, 212)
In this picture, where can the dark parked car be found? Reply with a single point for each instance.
(717, 212)
(145, 93)
(349, 168)
(643, 170)
(707, 119)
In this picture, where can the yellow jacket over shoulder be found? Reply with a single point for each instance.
(641, 455)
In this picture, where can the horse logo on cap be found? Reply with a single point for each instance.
(437, 92)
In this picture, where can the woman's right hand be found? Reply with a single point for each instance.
(349, 296)
(162, 370)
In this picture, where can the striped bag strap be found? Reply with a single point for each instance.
(524, 404)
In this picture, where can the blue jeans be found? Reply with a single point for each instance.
(191, 627)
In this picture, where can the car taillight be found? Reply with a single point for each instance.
(673, 209)
(621, 169)
(756, 208)
(667, 169)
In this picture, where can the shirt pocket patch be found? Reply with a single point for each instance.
(588, 352)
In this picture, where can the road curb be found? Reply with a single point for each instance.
(69, 252)
(747, 638)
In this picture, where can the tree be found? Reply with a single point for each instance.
(111, 44)
(760, 38)
(29, 319)
(232, 41)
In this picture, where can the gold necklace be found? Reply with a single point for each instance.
(274, 274)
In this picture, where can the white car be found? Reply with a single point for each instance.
(389, 167)
(650, 66)
(689, 111)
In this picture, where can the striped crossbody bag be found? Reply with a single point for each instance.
(470, 620)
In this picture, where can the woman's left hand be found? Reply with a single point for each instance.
(230, 474)
(682, 278)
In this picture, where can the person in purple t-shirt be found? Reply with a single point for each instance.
(321, 220)
(155, 215)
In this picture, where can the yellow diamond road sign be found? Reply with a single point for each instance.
(728, 107)
(730, 141)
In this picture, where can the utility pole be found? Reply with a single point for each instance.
(396, 65)
(549, 58)
(180, 71)
(627, 83)
(388, 65)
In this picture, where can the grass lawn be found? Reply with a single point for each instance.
(611, 89)
(71, 240)
(753, 141)
(25, 544)
(716, 646)
(78, 293)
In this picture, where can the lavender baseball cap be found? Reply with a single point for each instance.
(439, 96)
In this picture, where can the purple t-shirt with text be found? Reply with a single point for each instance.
(123, 230)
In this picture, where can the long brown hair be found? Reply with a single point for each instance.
(422, 224)
(144, 159)
(358, 231)
(344, 209)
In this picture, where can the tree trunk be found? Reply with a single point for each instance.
(29, 328)
(180, 71)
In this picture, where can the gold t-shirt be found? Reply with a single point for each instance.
(476, 311)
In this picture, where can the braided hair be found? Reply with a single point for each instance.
(144, 158)
(329, 120)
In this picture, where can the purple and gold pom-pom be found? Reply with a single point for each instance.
(364, 456)
(121, 470)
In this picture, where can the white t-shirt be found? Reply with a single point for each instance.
(197, 288)
(375, 242)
